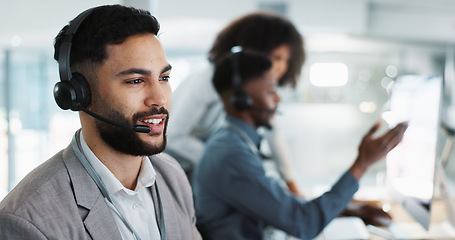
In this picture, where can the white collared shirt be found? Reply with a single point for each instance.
(135, 206)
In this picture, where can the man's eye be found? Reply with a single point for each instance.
(135, 81)
(165, 78)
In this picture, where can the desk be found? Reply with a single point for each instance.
(403, 220)
(439, 228)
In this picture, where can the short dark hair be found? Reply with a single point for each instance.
(263, 32)
(249, 65)
(109, 24)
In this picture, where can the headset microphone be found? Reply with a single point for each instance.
(136, 128)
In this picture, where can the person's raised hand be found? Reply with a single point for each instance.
(373, 149)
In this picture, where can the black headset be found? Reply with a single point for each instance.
(73, 90)
(240, 100)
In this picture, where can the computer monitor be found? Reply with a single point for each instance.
(411, 165)
(446, 138)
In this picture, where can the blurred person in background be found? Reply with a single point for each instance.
(234, 198)
(197, 109)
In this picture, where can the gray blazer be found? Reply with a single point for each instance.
(59, 200)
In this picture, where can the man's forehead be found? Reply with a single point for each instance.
(141, 44)
(137, 52)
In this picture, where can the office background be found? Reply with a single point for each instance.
(365, 44)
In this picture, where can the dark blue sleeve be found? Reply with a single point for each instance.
(247, 189)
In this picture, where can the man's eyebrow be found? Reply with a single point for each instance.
(142, 71)
(134, 71)
(167, 68)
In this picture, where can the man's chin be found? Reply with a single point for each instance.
(157, 145)
(148, 150)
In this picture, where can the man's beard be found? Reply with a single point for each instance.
(128, 141)
(262, 119)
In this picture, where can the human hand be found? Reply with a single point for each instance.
(369, 213)
(373, 149)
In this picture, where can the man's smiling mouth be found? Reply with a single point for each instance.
(153, 121)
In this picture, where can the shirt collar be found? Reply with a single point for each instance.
(146, 178)
(247, 128)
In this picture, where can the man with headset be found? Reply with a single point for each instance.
(111, 182)
(234, 199)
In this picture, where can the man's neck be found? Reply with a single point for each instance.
(123, 166)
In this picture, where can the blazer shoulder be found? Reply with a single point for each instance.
(165, 162)
(32, 184)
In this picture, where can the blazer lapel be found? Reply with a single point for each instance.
(169, 208)
(99, 222)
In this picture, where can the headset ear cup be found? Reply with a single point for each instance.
(241, 101)
(82, 89)
(72, 94)
(64, 95)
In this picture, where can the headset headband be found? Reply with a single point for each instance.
(65, 46)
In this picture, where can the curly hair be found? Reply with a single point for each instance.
(262, 32)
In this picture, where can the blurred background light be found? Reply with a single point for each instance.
(328, 74)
